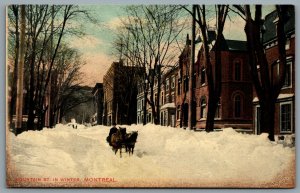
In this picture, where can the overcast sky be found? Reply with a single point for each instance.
(96, 45)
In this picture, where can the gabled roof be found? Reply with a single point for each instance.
(270, 23)
(235, 45)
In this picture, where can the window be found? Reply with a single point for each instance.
(167, 98)
(179, 87)
(237, 71)
(288, 76)
(142, 103)
(167, 84)
(173, 82)
(162, 98)
(237, 106)
(138, 119)
(287, 44)
(203, 109)
(286, 117)
(186, 84)
(155, 98)
(203, 76)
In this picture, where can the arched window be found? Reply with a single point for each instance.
(237, 106)
(202, 77)
(203, 108)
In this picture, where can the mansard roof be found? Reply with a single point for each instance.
(270, 23)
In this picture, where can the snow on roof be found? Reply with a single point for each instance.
(168, 105)
(281, 96)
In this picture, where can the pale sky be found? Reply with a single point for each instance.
(96, 45)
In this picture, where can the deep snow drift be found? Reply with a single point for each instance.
(164, 156)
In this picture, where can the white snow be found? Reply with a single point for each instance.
(161, 153)
(168, 105)
(280, 96)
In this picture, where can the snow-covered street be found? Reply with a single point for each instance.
(163, 156)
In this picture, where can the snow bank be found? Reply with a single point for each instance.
(160, 153)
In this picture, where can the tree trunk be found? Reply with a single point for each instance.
(19, 105)
(267, 117)
(211, 111)
(15, 72)
(191, 74)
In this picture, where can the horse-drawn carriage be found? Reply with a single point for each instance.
(120, 139)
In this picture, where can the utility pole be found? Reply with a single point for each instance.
(191, 73)
(19, 102)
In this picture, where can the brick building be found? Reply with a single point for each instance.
(120, 93)
(285, 105)
(98, 102)
(235, 105)
(168, 93)
(166, 102)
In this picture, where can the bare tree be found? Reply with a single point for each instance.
(65, 80)
(46, 28)
(19, 105)
(213, 70)
(267, 84)
(154, 30)
(14, 42)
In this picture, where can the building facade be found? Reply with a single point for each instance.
(234, 107)
(98, 102)
(285, 104)
(167, 102)
(120, 94)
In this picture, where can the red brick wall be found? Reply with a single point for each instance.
(272, 55)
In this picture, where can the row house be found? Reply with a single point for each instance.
(168, 93)
(98, 103)
(166, 102)
(120, 94)
(238, 106)
(285, 105)
(234, 107)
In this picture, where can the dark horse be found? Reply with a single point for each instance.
(130, 141)
(121, 139)
(117, 140)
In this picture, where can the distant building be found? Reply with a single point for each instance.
(98, 102)
(120, 93)
(285, 105)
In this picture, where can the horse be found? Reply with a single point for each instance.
(130, 141)
(117, 140)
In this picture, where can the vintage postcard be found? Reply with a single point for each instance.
(151, 96)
